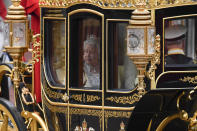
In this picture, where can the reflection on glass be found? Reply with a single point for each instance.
(58, 51)
(84, 51)
(136, 41)
(6, 34)
(180, 42)
(122, 72)
(19, 34)
(151, 40)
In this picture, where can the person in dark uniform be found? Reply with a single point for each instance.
(175, 42)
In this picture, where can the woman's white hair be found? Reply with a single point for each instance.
(93, 41)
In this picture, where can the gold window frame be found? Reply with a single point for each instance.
(102, 52)
(53, 18)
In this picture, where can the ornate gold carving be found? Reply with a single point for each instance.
(53, 94)
(155, 60)
(65, 97)
(35, 53)
(77, 97)
(193, 122)
(89, 112)
(35, 118)
(189, 79)
(125, 99)
(117, 114)
(61, 109)
(54, 13)
(92, 98)
(116, 3)
(25, 91)
(84, 97)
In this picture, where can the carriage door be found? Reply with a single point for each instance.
(85, 69)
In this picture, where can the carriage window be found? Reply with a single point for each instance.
(180, 42)
(85, 51)
(121, 70)
(56, 53)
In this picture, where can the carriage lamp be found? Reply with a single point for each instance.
(16, 34)
(141, 42)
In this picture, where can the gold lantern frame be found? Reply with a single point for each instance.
(141, 20)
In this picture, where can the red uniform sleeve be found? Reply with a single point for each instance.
(3, 10)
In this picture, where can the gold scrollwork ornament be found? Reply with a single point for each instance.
(155, 60)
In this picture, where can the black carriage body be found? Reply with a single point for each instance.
(109, 106)
(98, 107)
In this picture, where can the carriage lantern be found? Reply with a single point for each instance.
(141, 42)
(16, 34)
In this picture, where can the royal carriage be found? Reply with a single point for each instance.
(105, 66)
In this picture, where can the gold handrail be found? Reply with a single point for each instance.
(36, 118)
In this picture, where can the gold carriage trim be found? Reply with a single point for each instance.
(89, 112)
(116, 3)
(60, 109)
(189, 79)
(53, 94)
(77, 97)
(92, 98)
(109, 114)
(89, 98)
(125, 99)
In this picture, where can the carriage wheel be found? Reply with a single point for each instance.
(10, 118)
(4, 82)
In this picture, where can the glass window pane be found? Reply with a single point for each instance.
(85, 51)
(122, 72)
(19, 30)
(56, 50)
(180, 42)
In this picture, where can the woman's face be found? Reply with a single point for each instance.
(91, 55)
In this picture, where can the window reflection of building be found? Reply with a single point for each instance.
(58, 51)
(122, 71)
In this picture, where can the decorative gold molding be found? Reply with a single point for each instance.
(52, 94)
(89, 112)
(85, 98)
(29, 67)
(35, 119)
(116, 3)
(92, 98)
(125, 99)
(54, 108)
(189, 79)
(77, 97)
(155, 60)
(43, 46)
(117, 114)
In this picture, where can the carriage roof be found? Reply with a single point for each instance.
(117, 4)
